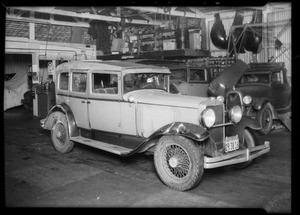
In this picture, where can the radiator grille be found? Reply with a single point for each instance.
(217, 133)
(233, 98)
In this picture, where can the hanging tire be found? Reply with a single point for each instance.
(248, 142)
(60, 136)
(178, 162)
(265, 118)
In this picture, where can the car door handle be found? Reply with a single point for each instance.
(88, 102)
(82, 101)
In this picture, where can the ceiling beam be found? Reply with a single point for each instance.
(45, 21)
(173, 12)
(88, 16)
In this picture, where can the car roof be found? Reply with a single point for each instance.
(264, 67)
(113, 65)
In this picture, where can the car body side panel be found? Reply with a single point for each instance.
(152, 117)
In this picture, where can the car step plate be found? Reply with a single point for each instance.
(102, 145)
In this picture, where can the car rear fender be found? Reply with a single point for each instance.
(64, 108)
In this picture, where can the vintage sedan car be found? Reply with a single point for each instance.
(267, 93)
(187, 79)
(126, 108)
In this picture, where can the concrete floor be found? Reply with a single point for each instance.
(38, 176)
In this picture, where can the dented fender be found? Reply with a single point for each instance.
(246, 122)
(185, 129)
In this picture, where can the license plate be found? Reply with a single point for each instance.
(231, 143)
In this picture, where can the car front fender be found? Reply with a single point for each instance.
(188, 130)
(185, 129)
(246, 122)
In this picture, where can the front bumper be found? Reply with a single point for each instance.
(236, 157)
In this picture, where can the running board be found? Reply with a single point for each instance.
(119, 150)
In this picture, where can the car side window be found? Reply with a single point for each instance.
(64, 81)
(197, 75)
(105, 83)
(79, 82)
(277, 77)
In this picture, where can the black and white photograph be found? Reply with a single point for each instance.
(158, 106)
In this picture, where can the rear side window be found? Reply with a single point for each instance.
(64, 81)
(79, 82)
(105, 83)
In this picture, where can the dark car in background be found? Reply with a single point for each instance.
(187, 78)
(267, 93)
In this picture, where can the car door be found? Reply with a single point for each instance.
(104, 107)
(78, 98)
(281, 90)
(198, 81)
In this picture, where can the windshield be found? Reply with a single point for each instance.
(254, 78)
(139, 81)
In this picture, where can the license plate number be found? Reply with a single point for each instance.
(231, 143)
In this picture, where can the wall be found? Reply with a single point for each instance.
(281, 30)
(51, 42)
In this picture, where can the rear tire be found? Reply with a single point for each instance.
(60, 136)
(178, 162)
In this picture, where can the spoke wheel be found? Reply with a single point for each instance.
(178, 162)
(60, 134)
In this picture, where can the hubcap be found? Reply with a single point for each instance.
(173, 162)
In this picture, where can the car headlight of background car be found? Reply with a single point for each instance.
(235, 114)
(247, 100)
(208, 118)
(221, 98)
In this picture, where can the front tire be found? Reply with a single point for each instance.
(265, 118)
(60, 136)
(178, 162)
(248, 142)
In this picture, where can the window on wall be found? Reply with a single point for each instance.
(105, 83)
(197, 75)
(64, 81)
(79, 82)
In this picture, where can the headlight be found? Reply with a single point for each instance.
(235, 114)
(220, 98)
(208, 118)
(247, 100)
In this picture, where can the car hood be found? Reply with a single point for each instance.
(159, 97)
(227, 79)
(255, 90)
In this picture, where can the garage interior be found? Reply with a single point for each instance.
(38, 39)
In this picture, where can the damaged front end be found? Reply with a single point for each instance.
(237, 143)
